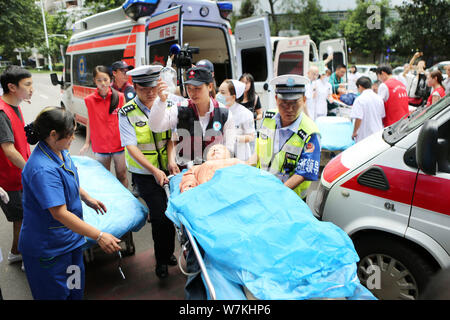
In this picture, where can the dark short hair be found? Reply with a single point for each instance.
(364, 82)
(384, 68)
(13, 74)
(356, 69)
(341, 66)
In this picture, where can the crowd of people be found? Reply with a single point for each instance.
(150, 131)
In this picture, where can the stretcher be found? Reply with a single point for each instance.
(335, 136)
(261, 241)
(125, 214)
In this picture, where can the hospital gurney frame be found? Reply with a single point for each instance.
(197, 252)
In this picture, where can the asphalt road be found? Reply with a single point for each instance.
(13, 282)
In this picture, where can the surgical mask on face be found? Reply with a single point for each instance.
(221, 98)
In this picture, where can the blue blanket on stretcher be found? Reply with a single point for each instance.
(259, 234)
(335, 136)
(124, 212)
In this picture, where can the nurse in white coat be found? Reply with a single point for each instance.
(229, 92)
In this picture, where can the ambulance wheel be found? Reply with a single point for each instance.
(390, 269)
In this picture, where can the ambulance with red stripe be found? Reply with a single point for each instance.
(391, 194)
(141, 32)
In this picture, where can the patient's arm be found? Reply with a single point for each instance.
(189, 179)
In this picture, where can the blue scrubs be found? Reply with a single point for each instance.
(51, 252)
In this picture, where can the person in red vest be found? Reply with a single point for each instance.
(102, 128)
(17, 86)
(393, 92)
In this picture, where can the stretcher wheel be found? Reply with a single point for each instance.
(130, 248)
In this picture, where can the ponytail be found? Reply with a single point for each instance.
(50, 118)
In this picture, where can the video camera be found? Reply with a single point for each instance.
(183, 56)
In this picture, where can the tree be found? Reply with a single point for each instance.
(21, 24)
(58, 35)
(423, 25)
(307, 17)
(248, 9)
(102, 5)
(365, 28)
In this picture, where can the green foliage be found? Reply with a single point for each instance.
(307, 17)
(423, 26)
(102, 5)
(21, 24)
(365, 28)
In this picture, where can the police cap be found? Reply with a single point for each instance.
(289, 86)
(145, 76)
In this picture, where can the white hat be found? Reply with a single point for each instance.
(146, 75)
(239, 87)
(289, 86)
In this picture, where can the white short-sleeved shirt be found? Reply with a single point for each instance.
(369, 107)
(244, 125)
(352, 78)
(317, 106)
(383, 92)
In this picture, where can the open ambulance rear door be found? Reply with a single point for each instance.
(293, 55)
(339, 49)
(164, 29)
(254, 56)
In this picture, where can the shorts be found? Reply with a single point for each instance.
(108, 154)
(13, 209)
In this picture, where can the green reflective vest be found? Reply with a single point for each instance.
(283, 163)
(152, 144)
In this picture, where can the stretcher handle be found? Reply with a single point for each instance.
(209, 284)
(166, 186)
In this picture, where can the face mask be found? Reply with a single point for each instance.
(221, 98)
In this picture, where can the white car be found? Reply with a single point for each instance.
(439, 66)
(365, 70)
(389, 192)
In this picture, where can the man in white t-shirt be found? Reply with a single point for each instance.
(367, 110)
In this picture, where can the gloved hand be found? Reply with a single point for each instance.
(3, 195)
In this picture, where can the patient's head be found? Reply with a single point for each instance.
(217, 152)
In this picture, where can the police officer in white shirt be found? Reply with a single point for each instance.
(367, 110)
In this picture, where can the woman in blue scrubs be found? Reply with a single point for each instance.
(53, 229)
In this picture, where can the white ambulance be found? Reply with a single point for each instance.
(142, 32)
(391, 194)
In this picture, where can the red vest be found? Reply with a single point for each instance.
(439, 90)
(10, 175)
(105, 134)
(397, 104)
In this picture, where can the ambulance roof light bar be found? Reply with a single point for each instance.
(225, 9)
(136, 9)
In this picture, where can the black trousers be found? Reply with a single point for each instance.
(163, 230)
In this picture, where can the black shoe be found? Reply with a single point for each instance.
(173, 261)
(162, 271)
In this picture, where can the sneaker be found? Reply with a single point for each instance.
(23, 267)
(14, 257)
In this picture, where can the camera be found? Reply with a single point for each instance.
(183, 56)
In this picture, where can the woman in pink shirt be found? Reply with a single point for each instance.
(434, 80)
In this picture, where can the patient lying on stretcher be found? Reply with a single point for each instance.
(218, 157)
